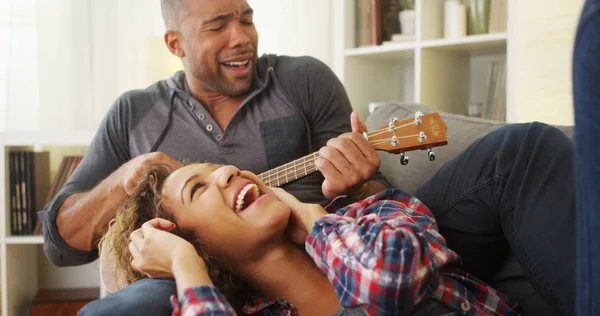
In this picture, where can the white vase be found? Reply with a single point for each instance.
(407, 22)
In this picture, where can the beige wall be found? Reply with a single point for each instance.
(543, 36)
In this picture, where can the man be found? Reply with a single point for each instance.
(228, 106)
(233, 108)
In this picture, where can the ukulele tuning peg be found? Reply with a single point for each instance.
(403, 159)
(430, 154)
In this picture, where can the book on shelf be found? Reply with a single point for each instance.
(495, 104)
(67, 165)
(368, 22)
(29, 174)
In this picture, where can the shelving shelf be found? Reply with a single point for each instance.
(24, 269)
(24, 240)
(443, 73)
(384, 52)
(473, 44)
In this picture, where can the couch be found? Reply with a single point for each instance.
(462, 131)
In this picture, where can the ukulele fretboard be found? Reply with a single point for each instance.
(290, 171)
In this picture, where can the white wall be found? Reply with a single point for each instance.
(544, 34)
(294, 27)
(64, 62)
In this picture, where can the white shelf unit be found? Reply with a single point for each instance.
(24, 267)
(445, 74)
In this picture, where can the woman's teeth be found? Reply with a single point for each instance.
(252, 191)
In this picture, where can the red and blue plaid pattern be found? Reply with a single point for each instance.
(201, 300)
(386, 255)
(383, 254)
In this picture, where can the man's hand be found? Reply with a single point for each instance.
(347, 161)
(132, 173)
(303, 216)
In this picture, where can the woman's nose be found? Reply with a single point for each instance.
(225, 175)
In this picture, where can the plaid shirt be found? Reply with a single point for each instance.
(383, 254)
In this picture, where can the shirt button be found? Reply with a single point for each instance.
(465, 306)
(201, 116)
(219, 137)
(209, 127)
(191, 105)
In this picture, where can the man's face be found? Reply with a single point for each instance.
(220, 44)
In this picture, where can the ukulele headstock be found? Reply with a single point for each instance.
(425, 131)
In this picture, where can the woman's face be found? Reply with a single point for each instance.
(232, 212)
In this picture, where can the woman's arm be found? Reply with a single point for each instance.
(197, 295)
(382, 253)
(159, 254)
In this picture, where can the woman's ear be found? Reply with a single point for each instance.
(174, 42)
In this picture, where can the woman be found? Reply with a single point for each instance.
(382, 255)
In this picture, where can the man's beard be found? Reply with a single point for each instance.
(217, 82)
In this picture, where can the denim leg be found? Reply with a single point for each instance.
(586, 95)
(146, 297)
(512, 189)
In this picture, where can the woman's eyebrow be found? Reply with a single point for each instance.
(185, 184)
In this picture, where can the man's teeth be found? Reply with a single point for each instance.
(240, 199)
(237, 63)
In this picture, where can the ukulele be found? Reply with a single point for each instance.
(425, 131)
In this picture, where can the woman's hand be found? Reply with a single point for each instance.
(303, 216)
(156, 251)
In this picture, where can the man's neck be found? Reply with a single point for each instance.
(220, 107)
(288, 273)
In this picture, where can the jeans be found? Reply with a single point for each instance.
(586, 96)
(146, 297)
(512, 190)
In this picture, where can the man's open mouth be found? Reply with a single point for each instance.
(237, 64)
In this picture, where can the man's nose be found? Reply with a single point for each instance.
(225, 175)
(239, 38)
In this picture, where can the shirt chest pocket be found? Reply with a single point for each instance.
(284, 140)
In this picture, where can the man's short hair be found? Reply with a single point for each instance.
(171, 12)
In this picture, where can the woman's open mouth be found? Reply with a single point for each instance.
(249, 194)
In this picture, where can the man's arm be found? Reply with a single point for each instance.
(84, 201)
(80, 228)
(347, 161)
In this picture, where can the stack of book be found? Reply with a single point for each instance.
(30, 188)
(29, 179)
(66, 168)
(376, 21)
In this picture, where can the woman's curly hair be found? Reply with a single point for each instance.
(143, 205)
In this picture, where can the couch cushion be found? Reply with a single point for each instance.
(462, 132)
